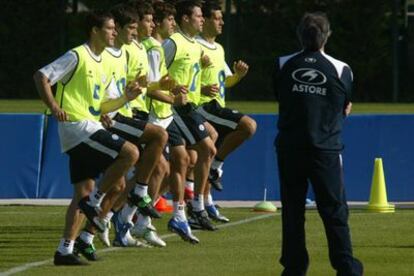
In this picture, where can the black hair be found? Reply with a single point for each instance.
(209, 7)
(313, 30)
(96, 18)
(185, 7)
(141, 7)
(124, 15)
(162, 10)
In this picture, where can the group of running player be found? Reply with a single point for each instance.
(141, 105)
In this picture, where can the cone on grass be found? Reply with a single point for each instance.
(162, 205)
(265, 206)
(378, 199)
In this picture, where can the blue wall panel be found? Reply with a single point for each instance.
(20, 148)
(252, 167)
(389, 137)
(55, 177)
(27, 171)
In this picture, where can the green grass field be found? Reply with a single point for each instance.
(36, 106)
(384, 242)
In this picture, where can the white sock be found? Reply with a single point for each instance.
(179, 212)
(109, 216)
(189, 184)
(87, 237)
(127, 212)
(141, 190)
(65, 246)
(216, 164)
(198, 203)
(96, 197)
(143, 221)
(208, 200)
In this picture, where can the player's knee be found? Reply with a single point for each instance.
(213, 134)
(248, 126)
(119, 187)
(208, 150)
(130, 153)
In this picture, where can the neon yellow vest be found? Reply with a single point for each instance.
(137, 62)
(81, 96)
(214, 73)
(160, 109)
(186, 67)
(117, 67)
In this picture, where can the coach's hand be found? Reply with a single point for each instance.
(240, 68)
(348, 109)
(210, 90)
(60, 114)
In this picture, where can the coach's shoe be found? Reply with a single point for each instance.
(144, 205)
(200, 220)
(214, 214)
(214, 177)
(69, 259)
(87, 250)
(149, 235)
(91, 214)
(183, 230)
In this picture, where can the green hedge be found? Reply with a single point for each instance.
(33, 33)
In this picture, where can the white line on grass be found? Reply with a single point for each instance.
(27, 266)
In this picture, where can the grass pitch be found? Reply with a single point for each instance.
(384, 242)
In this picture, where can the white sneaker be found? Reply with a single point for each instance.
(104, 236)
(129, 241)
(149, 235)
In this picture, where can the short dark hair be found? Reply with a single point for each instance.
(162, 10)
(313, 30)
(96, 18)
(141, 7)
(185, 8)
(209, 7)
(124, 14)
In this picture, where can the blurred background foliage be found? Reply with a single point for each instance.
(34, 33)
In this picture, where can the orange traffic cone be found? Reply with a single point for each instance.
(162, 205)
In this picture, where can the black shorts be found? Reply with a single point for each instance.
(224, 120)
(175, 138)
(128, 128)
(190, 123)
(93, 156)
(140, 115)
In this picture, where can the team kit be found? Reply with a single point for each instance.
(141, 112)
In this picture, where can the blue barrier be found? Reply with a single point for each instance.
(247, 172)
(20, 148)
(253, 166)
(55, 177)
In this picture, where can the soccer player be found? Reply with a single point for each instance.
(77, 106)
(233, 127)
(160, 105)
(314, 91)
(183, 59)
(135, 130)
